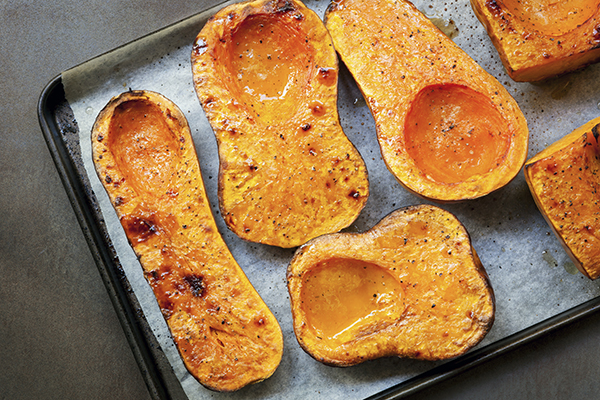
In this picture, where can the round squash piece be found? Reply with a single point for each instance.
(541, 39)
(447, 129)
(266, 75)
(145, 157)
(412, 286)
(564, 180)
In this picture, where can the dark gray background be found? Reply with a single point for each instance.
(59, 335)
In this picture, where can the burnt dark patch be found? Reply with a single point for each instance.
(596, 33)
(166, 308)
(138, 229)
(595, 131)
(152, 277)
(196, 284)
(305, 127)
(119, 201)
(494, 7)
(354, 194)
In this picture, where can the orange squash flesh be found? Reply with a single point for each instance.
(448, 130)
(564, 180)
(541, 39)
(145, 157)
(440, 127)
(265, 72)
(412, 286)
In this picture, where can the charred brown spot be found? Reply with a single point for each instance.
(166, 308)
(305, 127)
(595, 131)
(196, 284)
(119, 200)
(153, 276)
(596, 33)
(494, 7)
(333, 6)
(317, 108)
(354, 194)
(327, 76)
(107, 179)
(100, 138)
(138, 229)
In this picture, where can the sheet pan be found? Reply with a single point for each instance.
(536, 285)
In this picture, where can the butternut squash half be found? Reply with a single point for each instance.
(145, 157)
(447, 129)
(412, 286)
(266, 74)
(542, 38)
(564, 180)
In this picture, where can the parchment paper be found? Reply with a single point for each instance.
(532, 276)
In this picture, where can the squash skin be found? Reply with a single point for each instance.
(287, 171)
(401, 61)
(533, 54)
(145, 157)
(446, 304)
(564, 180)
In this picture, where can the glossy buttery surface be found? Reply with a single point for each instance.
(412, 286)
(266, 75)
(448, 130)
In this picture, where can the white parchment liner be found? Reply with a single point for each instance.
(532, 276)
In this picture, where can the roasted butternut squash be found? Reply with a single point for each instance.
(447, 129)
(412, 286)
(265, 72)
(541, 39)
(564, 180)
(145, 157)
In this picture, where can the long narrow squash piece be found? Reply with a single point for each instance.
(145, 157)
(447, 129)
(266, 74)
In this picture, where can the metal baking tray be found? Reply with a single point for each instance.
(536, 288)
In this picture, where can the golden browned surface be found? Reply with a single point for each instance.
(541, 39)
(564, 180)
(145, 157)
(412, 286)
(447, 129)
(266, 75)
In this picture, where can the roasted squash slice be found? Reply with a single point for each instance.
(447, 129)
(541, 39)
(412, 286)
(145, 157)
(266, 73)
(564, 180)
